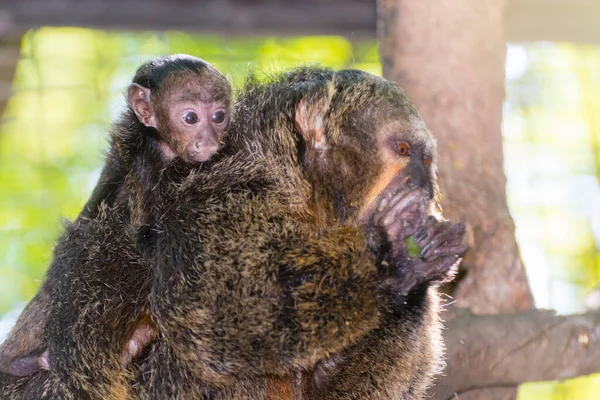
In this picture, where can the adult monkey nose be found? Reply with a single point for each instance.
(417, 176)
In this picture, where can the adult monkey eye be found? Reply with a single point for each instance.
(190, 118)
(403, 149)
(218, 117)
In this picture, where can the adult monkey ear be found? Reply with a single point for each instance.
(139, 100)
(310, 118)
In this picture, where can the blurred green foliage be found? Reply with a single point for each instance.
(552, 163)
(69, 85)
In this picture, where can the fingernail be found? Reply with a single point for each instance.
(382, 205)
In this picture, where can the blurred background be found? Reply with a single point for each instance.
(62, 86)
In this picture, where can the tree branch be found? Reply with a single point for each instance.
(506, 350)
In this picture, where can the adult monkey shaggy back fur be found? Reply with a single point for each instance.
(277, 277)
(266, 285)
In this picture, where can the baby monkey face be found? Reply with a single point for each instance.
(190, 112)
(194, 117)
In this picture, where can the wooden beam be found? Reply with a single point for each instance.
(352, 18)
(526, 20)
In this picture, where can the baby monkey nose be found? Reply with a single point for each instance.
(210, 141)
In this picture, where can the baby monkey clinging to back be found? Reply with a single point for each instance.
(178, 111)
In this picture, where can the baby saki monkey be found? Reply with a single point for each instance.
(179, 109)
(178, 112)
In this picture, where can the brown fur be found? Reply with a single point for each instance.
(274, 278)
(268, 264)
(280, 388)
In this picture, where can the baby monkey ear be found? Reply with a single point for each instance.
(139, 100)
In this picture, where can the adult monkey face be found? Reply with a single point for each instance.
(366, 140)
(373, 160)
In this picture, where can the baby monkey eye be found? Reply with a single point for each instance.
(403, 149)
(190, 118)
(218, 117)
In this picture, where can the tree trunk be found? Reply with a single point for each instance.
(449, 57)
